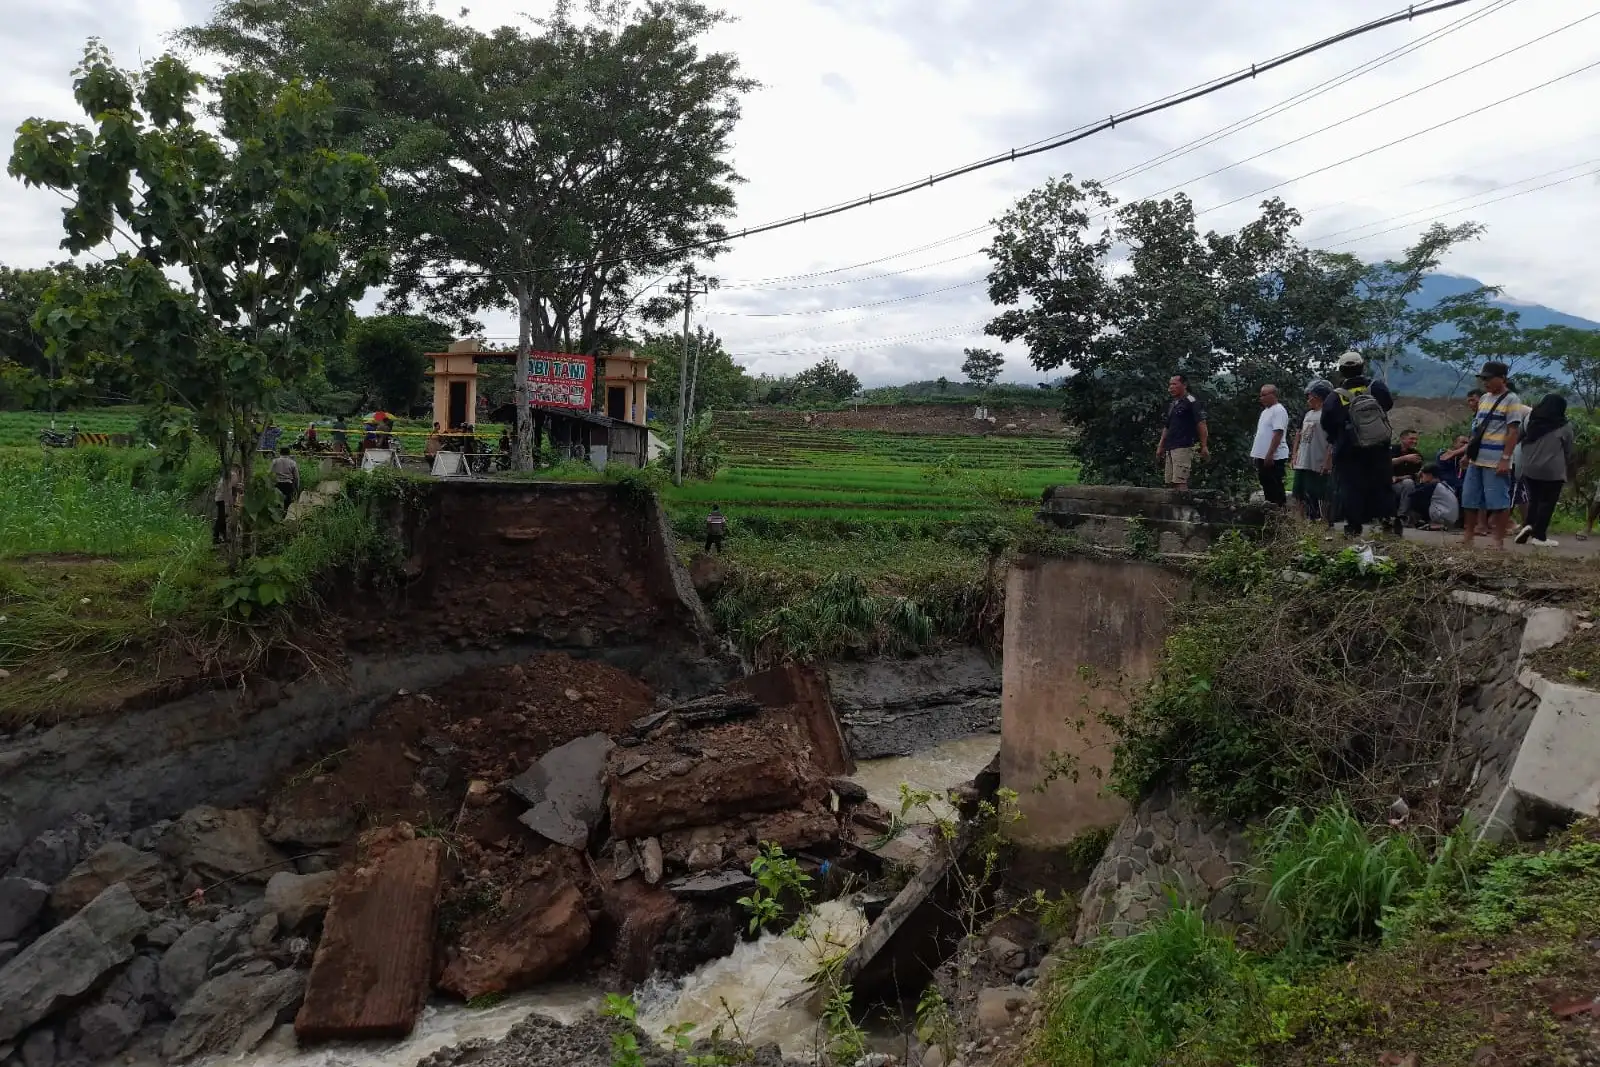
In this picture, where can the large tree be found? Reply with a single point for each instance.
(1125, 305)
(1576, 353)
(387, 358)
(1395, 327)
(228, 268)
(554, 172)
(982, 366)
(825, 381)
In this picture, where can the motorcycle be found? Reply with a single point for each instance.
(56, 439)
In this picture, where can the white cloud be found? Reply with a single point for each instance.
(858, 97)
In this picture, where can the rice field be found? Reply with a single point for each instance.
(772, 478)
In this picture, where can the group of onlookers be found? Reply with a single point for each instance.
(1349, 467)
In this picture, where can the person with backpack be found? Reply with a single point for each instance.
(1487, 486)
(1356, 419)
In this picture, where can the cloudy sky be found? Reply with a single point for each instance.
(861, 95)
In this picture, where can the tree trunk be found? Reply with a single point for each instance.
(524, 423)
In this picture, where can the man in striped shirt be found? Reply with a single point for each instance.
(716, 529)
(1486, 486)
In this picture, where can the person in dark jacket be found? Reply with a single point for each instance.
(1363, 477)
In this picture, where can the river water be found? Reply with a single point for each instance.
(757, 993)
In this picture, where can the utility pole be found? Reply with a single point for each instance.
(688, 288)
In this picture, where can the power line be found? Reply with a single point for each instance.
(1011, 156)
(1399, 140)
(1469, 207)
(1191, 146)
(852, 307)
(879, 342)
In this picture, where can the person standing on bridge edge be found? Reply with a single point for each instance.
(1312, 460)
(716, 530)
(1270, 452)
(1185, 428)
(1486, 489)
(1547, 447)
(1356, 420)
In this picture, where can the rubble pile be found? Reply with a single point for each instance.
(550, 818)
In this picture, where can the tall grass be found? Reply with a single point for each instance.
(1131, 1001)
(88, 502)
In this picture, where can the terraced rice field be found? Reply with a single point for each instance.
(774, 476)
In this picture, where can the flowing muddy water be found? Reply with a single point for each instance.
(761, 985)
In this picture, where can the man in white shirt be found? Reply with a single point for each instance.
(1270, 452)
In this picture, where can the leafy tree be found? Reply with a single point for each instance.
(824, 382)
(29, 375)
(943, 383)
(544, 171)
(1231, 311)
(389, 354)
(229, 274)
(1466, 330)
(719, 382)
(982, 366)
(1576, 352)
(1393, 327)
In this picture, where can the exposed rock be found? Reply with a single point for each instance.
(105, 1029)
(137, 987)
(231, 1014)
(720, 885)
(39, 1048)
(1007, 954)
(294, 898)
(547, 927)
(700, 933)
(566, 790)
(706, 857)
(624, 861)
(221, 844)
(933, 1056)
(651, 861)
(111, 863)
(21, 902)
(265, 931)
(370, 974)
(849, 792)
(165, 935)
(318, 826)
(641, 914)
(68, 960)
(996, 1005)
(185, 965)
(51, 856)
(758, 769)
(8, 952)
(709, 574)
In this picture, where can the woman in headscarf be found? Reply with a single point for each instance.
(1546, 461)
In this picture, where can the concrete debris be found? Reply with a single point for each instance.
(721, 885)
(369, 977)
(69, 960)
(719, 707)
(566, 791)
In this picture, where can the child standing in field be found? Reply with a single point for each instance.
(716, 529)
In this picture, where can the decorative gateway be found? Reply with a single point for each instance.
(557, 380)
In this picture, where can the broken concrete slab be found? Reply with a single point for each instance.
(67, 961)
(800, 694)
(566, 791)
(717, 885)
(369, 977)
(547, 928)
(718, 707)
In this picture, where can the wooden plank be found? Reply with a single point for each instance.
(371, 972)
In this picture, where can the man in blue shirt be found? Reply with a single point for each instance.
(1185, 429)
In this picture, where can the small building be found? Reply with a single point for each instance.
(584, 435)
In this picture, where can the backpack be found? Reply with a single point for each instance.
(1369, 423)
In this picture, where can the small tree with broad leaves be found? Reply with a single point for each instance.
(229, 270)
(982, 366)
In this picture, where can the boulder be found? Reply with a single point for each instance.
(22, 900)
(566, 790)
(292, 819)
(298, 897)
(641, 914)
(747, 776)
(111, 863)
(8, 952)
(39, 1048)
(995, 1006)
(185, 965)
(1007, 954)
(231, 1014)
(67, 961)
(651, 862)
(106, 1029)
(547, 927)
(220, 844)
(709, 574)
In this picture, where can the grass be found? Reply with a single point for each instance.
(1405, 949)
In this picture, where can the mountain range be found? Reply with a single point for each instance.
(1428, 377)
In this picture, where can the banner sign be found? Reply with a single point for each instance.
(560, 381)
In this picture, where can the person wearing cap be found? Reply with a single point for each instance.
(1486, 488)
(1362, 474)
(1312, 461)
